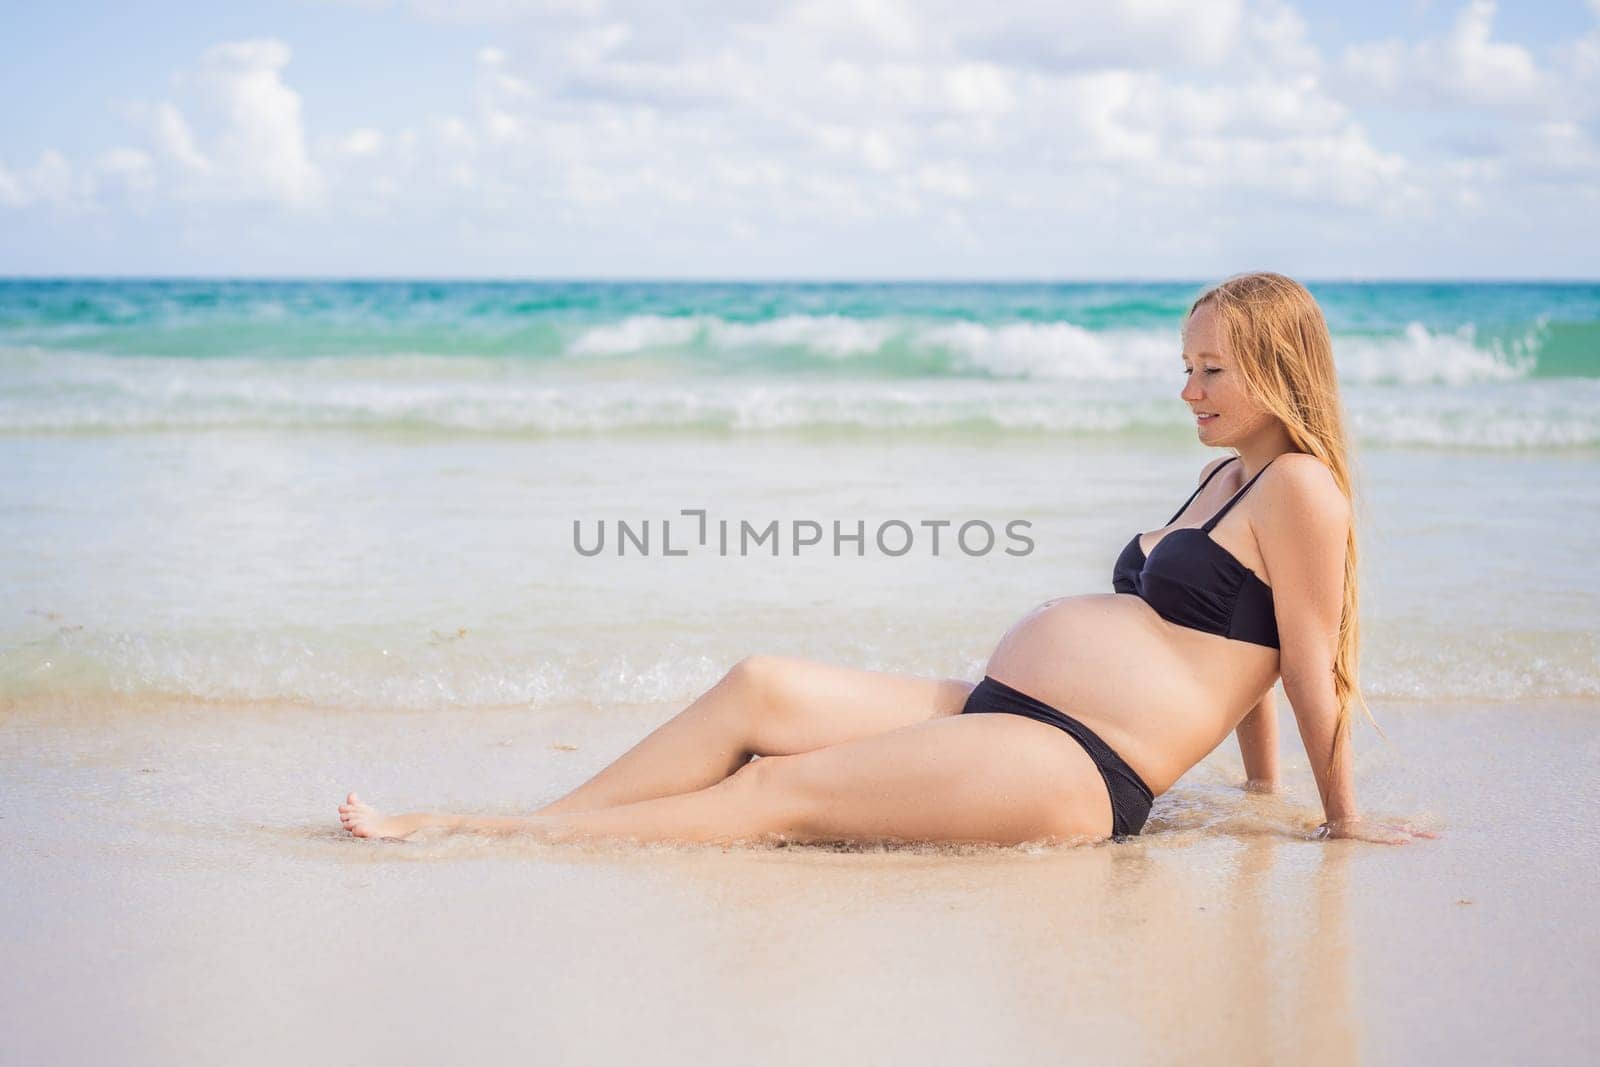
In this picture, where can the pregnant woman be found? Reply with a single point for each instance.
(1091, 705)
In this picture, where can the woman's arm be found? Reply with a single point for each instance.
(1257, 733)
(1304, 522)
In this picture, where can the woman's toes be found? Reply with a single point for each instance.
(361, 819)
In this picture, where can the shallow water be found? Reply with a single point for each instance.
(362, 495)
(366, 573)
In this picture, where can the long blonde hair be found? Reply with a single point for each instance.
(1280, 340)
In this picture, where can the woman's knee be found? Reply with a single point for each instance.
(751, 692)
(761, 683)
(752, 672)
(769, 784)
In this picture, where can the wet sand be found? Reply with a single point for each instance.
(177, 889)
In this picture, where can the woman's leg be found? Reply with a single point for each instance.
(763, 706)
(995, 778)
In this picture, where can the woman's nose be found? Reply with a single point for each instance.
(1191, 389)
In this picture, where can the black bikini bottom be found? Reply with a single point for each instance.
(1130, 797)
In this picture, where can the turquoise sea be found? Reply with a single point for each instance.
(1513, 366)
(362, 493)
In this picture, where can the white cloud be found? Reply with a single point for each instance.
(877, 27)
(826, 116)
(1141, 34)
(173, 136)
(499, 95)
(947, 179)
(485, 10)
(56, 181)
(360, 143)
(1273, 37)
(590, 45)
(979, 89)
(241, 138)
(1532, 132)
(52, 182)
(1579, 61)
(130, 166)
(12, 193)
(1561, 156)
(506, 10)
(871, 110)
(1464, 68)
(260, 141)
(453, 132)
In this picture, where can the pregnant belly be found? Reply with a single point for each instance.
(1162, 695)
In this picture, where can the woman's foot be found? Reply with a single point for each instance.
(364, 820)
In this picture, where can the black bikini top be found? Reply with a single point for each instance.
(1193, 581)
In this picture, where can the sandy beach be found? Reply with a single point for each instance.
(178, 876)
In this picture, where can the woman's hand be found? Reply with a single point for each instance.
(1359, 829)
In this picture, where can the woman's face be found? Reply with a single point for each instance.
(1213, 385)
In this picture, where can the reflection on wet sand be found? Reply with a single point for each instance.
(206, 910)
(1234, 946)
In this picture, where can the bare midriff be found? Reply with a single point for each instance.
(1160, 694)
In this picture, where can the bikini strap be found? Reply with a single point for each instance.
(1201, 486)
(1211, 522)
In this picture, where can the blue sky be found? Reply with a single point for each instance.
(821, 139)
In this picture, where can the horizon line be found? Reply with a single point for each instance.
(507, 279)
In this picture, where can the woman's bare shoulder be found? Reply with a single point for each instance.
(1302, 478)
(1300, 493)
